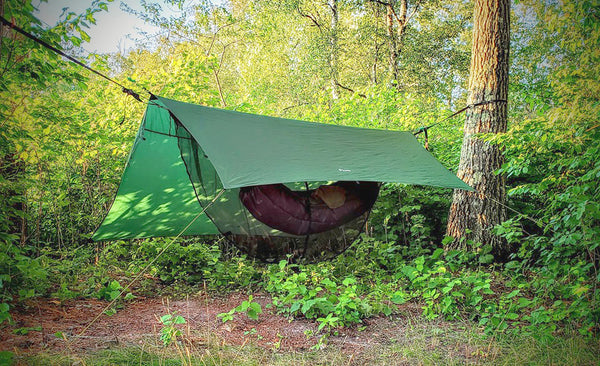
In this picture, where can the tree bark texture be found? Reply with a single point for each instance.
(393, 44)
(376, 46)
(396, 35)
(333, 59)
(474, 214)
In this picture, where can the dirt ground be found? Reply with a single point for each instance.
(137, 323)
(139, 319)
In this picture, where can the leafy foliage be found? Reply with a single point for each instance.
(169, 332)
(249, 307)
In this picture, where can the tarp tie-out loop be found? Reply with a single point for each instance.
(70, 58)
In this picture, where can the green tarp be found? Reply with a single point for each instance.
(185, 153)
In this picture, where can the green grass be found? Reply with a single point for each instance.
(426, 345)
(570, 349)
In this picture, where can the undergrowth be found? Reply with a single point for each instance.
(371, 279)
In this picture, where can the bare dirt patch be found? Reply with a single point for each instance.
(138, 323)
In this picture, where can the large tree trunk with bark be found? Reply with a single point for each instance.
(474, 214)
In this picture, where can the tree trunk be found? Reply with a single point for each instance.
(395, 37)
(393, 44)
(401, 18)
(474, 214)
(373, 73)
(333, 62)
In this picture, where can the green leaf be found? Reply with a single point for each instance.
(513, 294)
(307, 306)
(295, 306)
(322, 324)
(256, 307)
(447, 240)
(165, 319)
(6, 357)
(512, 316)
(486, 258)
(410, 272)
(523, 302)
(349, 281)
(84, 36)
(398, 298)
(26, 330)
(437, 253)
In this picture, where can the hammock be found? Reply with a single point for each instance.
(261, 181)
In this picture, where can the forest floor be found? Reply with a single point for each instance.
(53, 328)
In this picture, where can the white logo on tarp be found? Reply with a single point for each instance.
(344, 170)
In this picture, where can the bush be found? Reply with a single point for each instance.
(21, 276)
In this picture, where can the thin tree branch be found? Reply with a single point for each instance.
(292, 106)
(214, 37)
(380, 2)
(309, 16)
(337, 83)
(407, 17)
(217, 70)
(223, 103)
(413, 11)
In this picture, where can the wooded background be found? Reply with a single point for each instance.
(394, 64)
